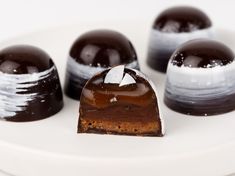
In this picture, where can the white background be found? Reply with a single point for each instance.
(22, 16)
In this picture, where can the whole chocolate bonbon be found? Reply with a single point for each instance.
(29, 84)
(93, 52)
(201, 79)
(173, 27)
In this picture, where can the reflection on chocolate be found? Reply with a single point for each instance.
(181, 19)
(93, 52)
(29, 84)
(201, 79)
(202, 53)
(173, 27)
(119, 101)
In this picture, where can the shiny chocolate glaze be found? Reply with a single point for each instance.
(24, 59)
(202, 53)
(103, 48)
(181, 19)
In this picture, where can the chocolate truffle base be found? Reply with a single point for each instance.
(210, 107)
(159, 60)
(100, 131)
(119, 121)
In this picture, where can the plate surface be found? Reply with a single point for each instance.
(191, 146)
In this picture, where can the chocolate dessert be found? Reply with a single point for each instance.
(201, 79)
(93, 52)
(173, 27)
(29, 84)
(120, 101)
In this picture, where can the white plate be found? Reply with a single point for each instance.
(191, 146)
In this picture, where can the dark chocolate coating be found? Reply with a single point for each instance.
(181, 19)
(21, 60)
(175, 20)
(108, 108)
(103, 48)
(202, 53)
(73, 89)
(158, 60)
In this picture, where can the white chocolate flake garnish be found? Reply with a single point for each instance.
(127, 79)
(115, 75)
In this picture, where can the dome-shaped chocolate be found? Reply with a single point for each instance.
(103, 48)
(172, 28)
(202, 53)
(24, 59)
(93, 52)
(181, 19)
(201, 79)
(29, 84)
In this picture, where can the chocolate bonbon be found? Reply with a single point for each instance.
(173, 27)
(93, 52)
(120, 101)
(201, 79)
(29, 84)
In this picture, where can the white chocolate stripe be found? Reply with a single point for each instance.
(77, 71)
(199, 84)
(116, 75)
(12, 88)
(163, 41)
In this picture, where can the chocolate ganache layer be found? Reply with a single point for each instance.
(120, 101)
